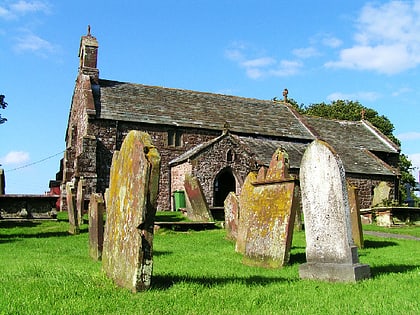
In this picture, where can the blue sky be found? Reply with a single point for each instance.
(318, 50)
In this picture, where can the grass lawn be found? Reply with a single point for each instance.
(46, 271)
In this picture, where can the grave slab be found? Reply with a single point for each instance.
(196, 204)
(330, 251)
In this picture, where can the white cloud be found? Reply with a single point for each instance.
(360, 96)
(409, 136)
(331, 41)
(20, 8)
(415, 163)
(33, 43)
(15, 157)
(387, 39)
(23, 7)
(305, 52)
(286, 68)
(261, 66)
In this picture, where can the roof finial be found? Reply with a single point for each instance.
(88, 34)
(363, 113)
(285, 92)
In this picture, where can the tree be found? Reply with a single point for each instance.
(354, 111)
(3, 105)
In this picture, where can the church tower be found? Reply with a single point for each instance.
(88, 55)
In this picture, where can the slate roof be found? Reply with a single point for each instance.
(175, 107)
(351, 134)
(356, 160)
(249, 119)
(354, 141)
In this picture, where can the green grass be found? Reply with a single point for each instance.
(46, 271)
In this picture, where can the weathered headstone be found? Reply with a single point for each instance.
(197, 207)
(127, 255)
(330, 252)
(231, 215)
(80, 200)
(74, 226)
(268, 210)
(96, 225)
(381, 194)
(356, 221)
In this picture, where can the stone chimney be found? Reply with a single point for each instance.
(88, 54)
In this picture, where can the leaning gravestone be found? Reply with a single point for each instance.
(127, 255)
(80, 200)
(330, 252)
(74, 225)
(96, 225)
(356, 221)
(268, 204)
(197, 207)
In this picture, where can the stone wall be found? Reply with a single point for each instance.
(216, 158)
(366, 185)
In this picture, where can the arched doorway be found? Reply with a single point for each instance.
(223, 184)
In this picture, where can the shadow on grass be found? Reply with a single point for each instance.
(387, 269)
(161, 253)
(378, 244)
(164, 282)
(16, 235)
(297, 258)
(13, 224)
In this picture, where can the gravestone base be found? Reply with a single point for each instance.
(334, 272)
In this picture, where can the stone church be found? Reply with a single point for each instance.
(217, 138)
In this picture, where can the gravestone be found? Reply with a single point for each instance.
(80, 200)
(127, 255)
(231, 215)
(74, 226)
(381, 194)
(268, 209)
(330, 252)
(356, 221)
(196, 204)
(96, 225)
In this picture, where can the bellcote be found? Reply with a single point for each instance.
(88, 55)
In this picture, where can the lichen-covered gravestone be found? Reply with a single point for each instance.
(381, 194)
(127, 255)
(330, 251)
(268, 204)
(96, 225)
(197, 207)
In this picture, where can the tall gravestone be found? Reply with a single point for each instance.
(74, 225)
(268, 204)
(197, 207)
(127, 255)
(231, 204)
(96, 225)
(356, 221)
(80, 200)
(330, 251)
